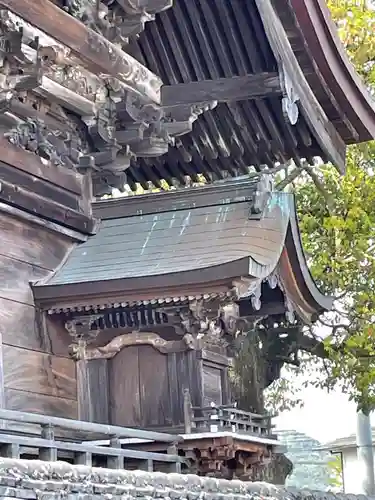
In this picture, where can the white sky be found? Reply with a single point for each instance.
(324, 416)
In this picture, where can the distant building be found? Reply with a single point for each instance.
(346, 447)
(310, 464)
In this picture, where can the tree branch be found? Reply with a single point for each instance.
(290, 178)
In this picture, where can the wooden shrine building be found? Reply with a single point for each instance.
(154, 301)
(124, 311)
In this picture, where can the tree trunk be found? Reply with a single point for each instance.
(250, 376)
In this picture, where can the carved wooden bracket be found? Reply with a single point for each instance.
(215, 321)
(188, 342)
(262, 196)
(55, 105)
(80, 327)
(116, 20)
(290, 99)
(213, 461)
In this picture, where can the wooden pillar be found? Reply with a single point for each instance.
(93, 390)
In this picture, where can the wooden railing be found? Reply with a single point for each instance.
(46, 447)
(225, 418)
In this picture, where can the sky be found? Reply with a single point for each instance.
(324, 416)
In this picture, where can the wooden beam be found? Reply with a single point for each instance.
(324, 131)
(237, 88)
(46, 209)
(32, 164)
(94, 51)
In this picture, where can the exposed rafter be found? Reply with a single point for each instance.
(326, 134)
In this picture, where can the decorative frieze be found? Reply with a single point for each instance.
(116, 20)
(113, 121)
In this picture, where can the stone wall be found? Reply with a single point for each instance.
(26, 479)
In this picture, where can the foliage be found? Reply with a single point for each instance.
(337, 220)
(355, 20)
(335, 472)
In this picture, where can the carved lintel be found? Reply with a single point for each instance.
(262, 196)
(290, 99)
(188, 342)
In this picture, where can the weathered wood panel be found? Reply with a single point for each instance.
(173, 387)
(15, 277)
(58, 338)
(19, 325)
(93, 390)
(154, 388)
(39, 373)
(32, 164)
(184, 372)
(125, 408)
(225, 387)
(212, 390)
(31, 244)
(40, 403)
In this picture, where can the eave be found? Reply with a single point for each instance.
(340, 90)
(183, 47)
(239, 257)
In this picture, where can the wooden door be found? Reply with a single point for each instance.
(138, 388)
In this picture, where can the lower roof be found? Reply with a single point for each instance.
(199, 242)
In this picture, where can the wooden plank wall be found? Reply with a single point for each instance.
(38, 376)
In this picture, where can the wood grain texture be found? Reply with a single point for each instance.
(40, 403)
(31, 244)
(32, 164)
(46, 208)
(235, 88)
(39, 373)
(83, 391)
(15, 278)
(99, 387)
(125, 407)
(95, 52)
(184, 372)
(2, 389)
(38, 186)
(154, 388)
(20, 326)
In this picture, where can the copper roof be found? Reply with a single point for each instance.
(200, 242)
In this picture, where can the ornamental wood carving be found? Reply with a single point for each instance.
(81, 351)
(93, 109)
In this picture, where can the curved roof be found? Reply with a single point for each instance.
(203, 240)
(296, 278)
(342, 93)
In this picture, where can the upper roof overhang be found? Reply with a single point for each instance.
(212, 88)
(340, 90)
